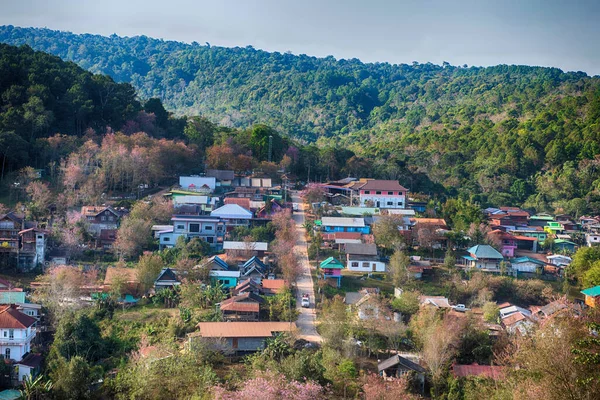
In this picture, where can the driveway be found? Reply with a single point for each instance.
(307, 319)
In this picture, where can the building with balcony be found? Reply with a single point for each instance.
(208, 228)
(380, 193)
(16, 332)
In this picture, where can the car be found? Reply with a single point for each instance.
(295, 207)
(305, 302)
(460, 307)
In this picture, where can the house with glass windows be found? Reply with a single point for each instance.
(208, 228)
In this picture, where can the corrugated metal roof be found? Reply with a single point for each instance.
(243, 329)
(366, 249)
(257, 246)
(485, 251)
(593, 291)
(490, 371)
(241, 307)
(341, 221)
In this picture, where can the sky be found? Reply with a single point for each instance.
(561, 34)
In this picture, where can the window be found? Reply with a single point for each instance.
(399, 203)
(167, 239)
(103, 218)
(7, 354)
(210, 239)
(355, 264)
(180, 227)
(219, 228)
(194, 227)
(367, 192)
(208, 227)
(378, 192)
(111, 218)
(390, 203)
(40, 237)
(5, 333)
(366, 265)
(11, 334)
(391, 193)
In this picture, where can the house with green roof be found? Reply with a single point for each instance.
(592, 296)
(332, 269)
(564, 245)
(483, 257)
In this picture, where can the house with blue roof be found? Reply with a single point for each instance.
(526, 264)
(483, 257)
(254, 269)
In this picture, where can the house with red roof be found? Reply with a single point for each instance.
(380, 193)
(16, 334)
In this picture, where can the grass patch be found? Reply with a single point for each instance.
(146, 314)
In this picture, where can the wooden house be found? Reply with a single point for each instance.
(592, 296)
(241, 337)
(332, 269)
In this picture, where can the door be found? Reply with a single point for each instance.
(234, 343)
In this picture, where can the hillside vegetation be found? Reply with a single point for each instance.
(497, 135)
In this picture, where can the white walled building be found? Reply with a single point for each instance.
(16, 333)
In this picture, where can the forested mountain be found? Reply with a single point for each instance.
(41, 95)
(497, 135)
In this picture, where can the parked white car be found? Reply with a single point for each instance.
(305, 301)
(460, 308)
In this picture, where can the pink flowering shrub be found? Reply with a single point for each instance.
(270, 386)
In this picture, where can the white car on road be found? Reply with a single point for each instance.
(305, 301)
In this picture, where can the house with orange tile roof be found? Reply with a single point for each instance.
(240, 337)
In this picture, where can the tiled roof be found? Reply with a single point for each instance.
(11, 318)
(243, 202)
(242, 329)
(241, 307)
(273, 285)
(31, 360)
(490, 371)
(379, 184)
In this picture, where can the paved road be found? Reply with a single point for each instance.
(307, 320)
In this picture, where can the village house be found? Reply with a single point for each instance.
(332, 269)
(240, 337)
(429, 232)
(242, 307)
(208, 228)
(254, 269)
(242, 202)
(233, 215)
(534, 232)
(379, 193)
(507, 217)
(559, 260)
(251, 182)
(341, 224)
(21, 242)
(592, 239)
(32, 248)
(271, 287)
(191, 203)
(527, 264)
(220, 272)
(195, 183)
(508, 242)
(16, 334)
(592, 296)
(100, 218)
(483, 257)
(247, 249)
(564, 245)
(362, 257)
(223, 177)
(434, 301)
(398, 366)
(167, 279)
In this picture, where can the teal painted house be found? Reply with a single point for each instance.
(332, 268)
(564, 245)
(220, 272)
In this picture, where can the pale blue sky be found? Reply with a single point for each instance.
(563, 34)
